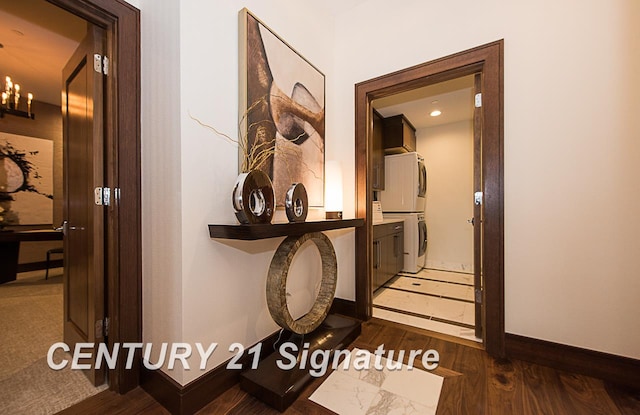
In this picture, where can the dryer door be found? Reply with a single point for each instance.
(422, 238)
(422, 180)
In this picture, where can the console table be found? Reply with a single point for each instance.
(274, 386)
(10, 249)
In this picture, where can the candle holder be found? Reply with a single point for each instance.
(11, 101)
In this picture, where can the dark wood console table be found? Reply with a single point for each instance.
(273, 230)
(10, 249)
(272, 385)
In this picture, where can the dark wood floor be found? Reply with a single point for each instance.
(474, 384)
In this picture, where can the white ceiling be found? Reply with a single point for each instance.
(38, 39)
(454, 98)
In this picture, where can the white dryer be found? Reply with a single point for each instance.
(405, 184)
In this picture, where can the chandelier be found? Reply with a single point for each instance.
(13, 102)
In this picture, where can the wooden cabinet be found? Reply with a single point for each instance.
(399, 135)
(378, 152)
(388, 252)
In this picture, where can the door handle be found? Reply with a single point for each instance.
(62, 228)
(472, 221)
(376, 254)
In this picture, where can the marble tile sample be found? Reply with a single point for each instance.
(379, 392)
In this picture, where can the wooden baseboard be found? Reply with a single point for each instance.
(617, 369)
(344, 307)
(188, 399)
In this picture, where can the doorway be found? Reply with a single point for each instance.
(487, 61)
(120, 156)
(436, 291)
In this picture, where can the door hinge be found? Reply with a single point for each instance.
(478, 100)
(105, 65)
(477, 198)
(478, 296)
(101, 64)
(102, 328)
(102, 196)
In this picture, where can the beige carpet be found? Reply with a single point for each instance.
(30, 322)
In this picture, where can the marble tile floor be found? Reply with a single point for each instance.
(444, 276)
(434, 300)
(379, 392)
(432, 288)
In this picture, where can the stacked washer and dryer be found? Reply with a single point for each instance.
(403, 197)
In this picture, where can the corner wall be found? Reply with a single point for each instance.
(161, 188)
(448, 156)
(199, 290)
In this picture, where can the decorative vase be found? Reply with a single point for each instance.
(296, 203)
(253, 198)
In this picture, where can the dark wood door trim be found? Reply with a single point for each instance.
(477, 210)
(487, 59)
(122, 170)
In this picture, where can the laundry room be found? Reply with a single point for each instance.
(424, 177)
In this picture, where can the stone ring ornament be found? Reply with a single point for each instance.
(296, 203)
(277, 283)
(253, 198)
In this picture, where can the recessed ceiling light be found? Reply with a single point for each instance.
(435, 113)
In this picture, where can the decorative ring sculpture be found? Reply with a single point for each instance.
(277, 283)
(253, 198)
(296, 203)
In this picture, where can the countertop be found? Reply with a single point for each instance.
(390, 220)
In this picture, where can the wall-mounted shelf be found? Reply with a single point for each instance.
(274, 230)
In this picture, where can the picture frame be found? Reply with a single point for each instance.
(281, 111)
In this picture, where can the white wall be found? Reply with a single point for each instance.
(448, 155)
(197, 289)
(572, 177)
(161, 165)
(572, 72)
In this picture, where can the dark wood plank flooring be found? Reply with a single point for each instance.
(474, 384)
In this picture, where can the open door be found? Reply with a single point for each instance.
(84, 271)
(477, 210)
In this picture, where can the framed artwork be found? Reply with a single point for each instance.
(26, 180)
(282, 112)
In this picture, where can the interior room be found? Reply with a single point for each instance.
(37, 41)
(436, 291)
(526, 284)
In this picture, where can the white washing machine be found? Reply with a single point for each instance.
(415, 240)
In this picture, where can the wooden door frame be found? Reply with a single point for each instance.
(123, 261)
(487, 59)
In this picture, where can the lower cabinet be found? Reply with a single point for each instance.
(388, 252)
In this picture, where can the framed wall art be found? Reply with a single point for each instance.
(26, 180)
(282, 112)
